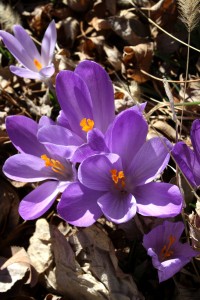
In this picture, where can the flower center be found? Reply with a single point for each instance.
(37, 64)
(166, 251)
(118, 179)
(55, 165)
(87, 124)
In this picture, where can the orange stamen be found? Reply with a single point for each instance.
(87, 124)
(118, 179)
(55, 165)
(37, 64)
(166, 252)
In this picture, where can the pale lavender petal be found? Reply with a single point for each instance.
(78, 205)
(94, 172)
(38, 201)
(48, 43)
(143, 170)
(158, 200)
(17, 50)
(158, 236)
(45, 121)
(101, 91)
(127, 136)
(74, 98)
(26, 168)
(23, 134)
(59, 140)
(95, 145)
(187, 162)
(62, 120)
(171, 267)
(47, 71)
(25, 40)
(25, 73)
(118, 207)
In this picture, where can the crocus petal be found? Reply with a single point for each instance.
(187, 162)
(78, 205)
(26, 168)
(25, 40)
(39, 200)
(45, 121)
(59, 140)
(25, 73)
(158, 236)
(117, 207)
(158, 199)
(94, 171)
(23, 134)
(17, 50)
(74, 98)
(195, 136)
(142, 169)
(62, 120)
(48, 43)
(95, 145)
(47, 71)
(101, 91)
(127, 135)
(171, 267)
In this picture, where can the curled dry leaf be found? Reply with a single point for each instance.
(166, 129)
(10, 275)
(194, 228)
(39, 250)
(85, 265)
(137, 58)
(21, 257)
(192, 93)
(163, 12)
(67, 30)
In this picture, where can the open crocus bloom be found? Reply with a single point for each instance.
(87, 101)
(34, 163)
(188, 159)
(35, 65)
(119, 182)
(168, 254)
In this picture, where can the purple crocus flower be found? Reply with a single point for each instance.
(168, 254)
(119, 184)
(187, 159)
(35, 65)
(34, 163)
(87, 101)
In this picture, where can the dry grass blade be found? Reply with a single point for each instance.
(189, 13)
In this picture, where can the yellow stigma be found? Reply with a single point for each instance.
(37, 64)
(166, 252)
(55, 165)
(118, 179)
(87, 124)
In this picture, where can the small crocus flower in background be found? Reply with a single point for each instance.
(36, 163)
(187, 159)
(168, 254)
(120, 181)
(35, 65)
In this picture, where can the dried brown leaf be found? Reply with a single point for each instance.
(9, 202)
(21, 257)
(137, 58)
(9, 276)
(194, 228)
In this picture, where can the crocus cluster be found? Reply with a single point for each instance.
(98, 163)
(101, 164)
(168, 254)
